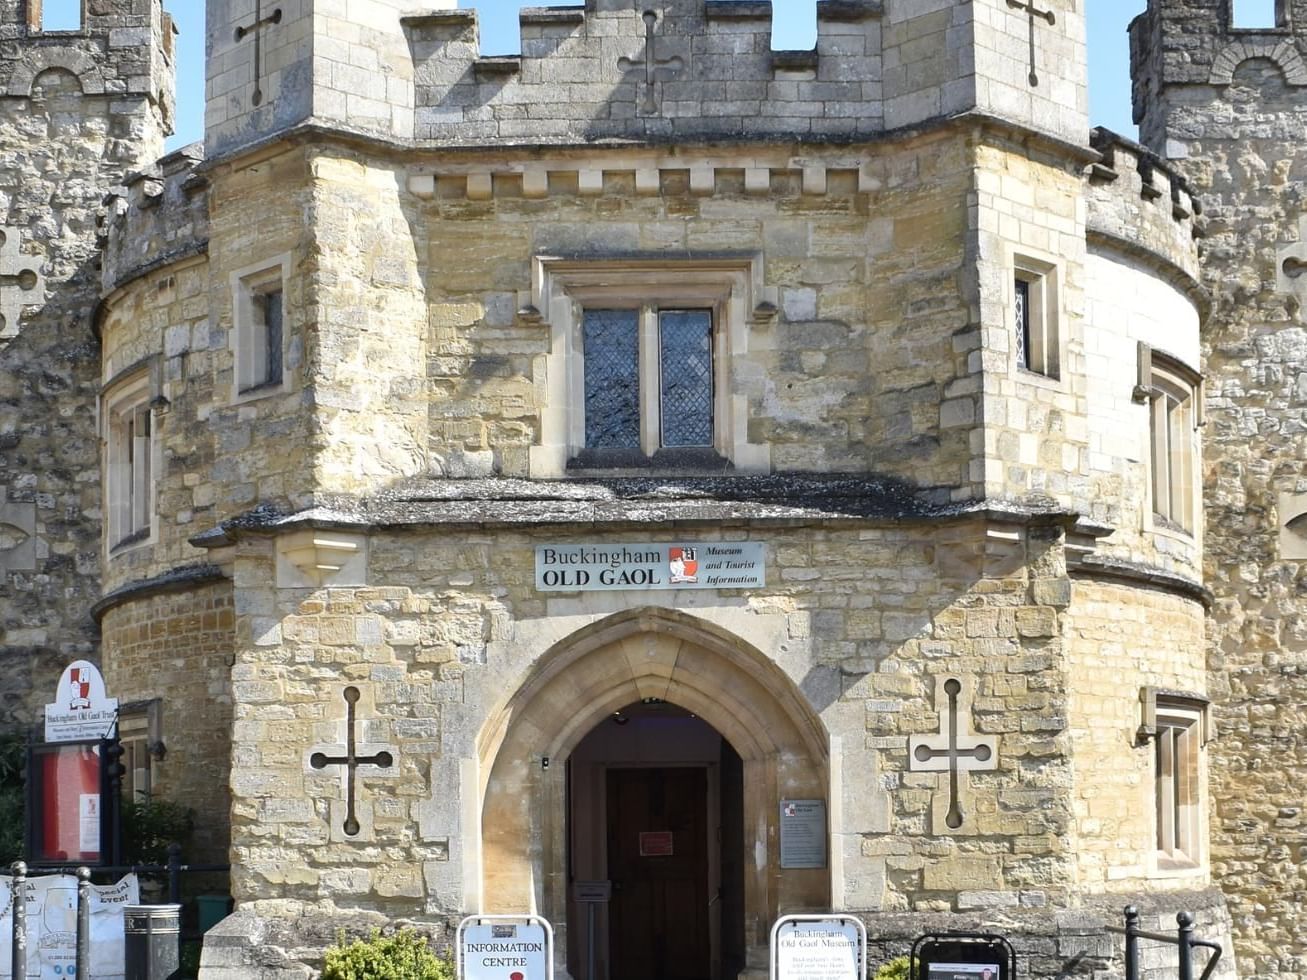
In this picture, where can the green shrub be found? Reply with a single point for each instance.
(149, 826)
(402, 955)
(899, 968)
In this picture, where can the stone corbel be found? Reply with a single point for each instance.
(316, 558)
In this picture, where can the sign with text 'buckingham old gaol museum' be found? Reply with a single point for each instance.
(703, 565)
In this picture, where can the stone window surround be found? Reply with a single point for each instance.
(1164, 376)
(561, 288)
(1178, 724)
(247, 333)
(140, 729)
(1042, 274)
(129, 521)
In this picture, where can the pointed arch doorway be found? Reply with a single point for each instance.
(722, 693)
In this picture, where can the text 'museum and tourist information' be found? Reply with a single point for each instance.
(697, 565)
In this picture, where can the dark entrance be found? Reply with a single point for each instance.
(658, 862)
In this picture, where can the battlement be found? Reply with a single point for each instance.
(1194, 43)
(645, 71)
(1137, 200)
(160, 215)
(123, 48)
(691, 69)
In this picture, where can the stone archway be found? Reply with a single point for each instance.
(624, 658)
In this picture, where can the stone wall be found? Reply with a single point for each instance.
(177, 646)
(1227, 107)
(78, 110)
(1154, 639)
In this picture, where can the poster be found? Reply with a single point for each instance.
(963, 971)
(803, 833)
(829, 949)
(66, 794)
(52, 926)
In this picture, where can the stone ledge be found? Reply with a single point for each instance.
(177, 580)
(639, 502)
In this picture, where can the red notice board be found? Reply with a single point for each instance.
(67, 822)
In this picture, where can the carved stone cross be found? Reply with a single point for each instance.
(952, 750)
(655, 69)
(351, 760)
(20, 282)
(1029, 7)
(256, 29)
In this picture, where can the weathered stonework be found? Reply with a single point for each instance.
(78, 111)
(966, 571)
(1227, 106)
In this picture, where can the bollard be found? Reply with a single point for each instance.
(1131, 943)
(18, 962)
(1186, 923)
(83, 961)
(152, 934)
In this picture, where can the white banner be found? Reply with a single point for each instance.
(52, 926)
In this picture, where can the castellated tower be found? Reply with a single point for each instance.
(79, 109)
(662, 446)
(1228, 107)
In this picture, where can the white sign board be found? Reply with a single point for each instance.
(684, 565)
(81, 709)
(505, 947)
(52, 926)
(811, 947)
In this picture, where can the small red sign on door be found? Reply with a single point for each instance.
(656, 843)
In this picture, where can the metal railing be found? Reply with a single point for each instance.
(1184, 940)
(174, 870)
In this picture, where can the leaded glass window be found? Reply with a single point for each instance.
(610, 342)
(648, 380)
(1022, 323)
(685, 366)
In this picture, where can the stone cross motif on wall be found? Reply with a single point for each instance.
(351, 760)
(20, 283)
(1032, 11)
(954, 750)
(655, 69)
(256, 28)
(18, 541)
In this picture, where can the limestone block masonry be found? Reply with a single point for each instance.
(1006, 415)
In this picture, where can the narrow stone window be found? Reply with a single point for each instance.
(1176, 779)
(139, 734)
(259, 331)
(129, 462)
(1035, 321)
(1172, 393)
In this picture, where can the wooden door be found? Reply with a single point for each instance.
(658, 862)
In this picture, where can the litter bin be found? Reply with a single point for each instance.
(152, 933)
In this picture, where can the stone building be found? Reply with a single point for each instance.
(765, 480)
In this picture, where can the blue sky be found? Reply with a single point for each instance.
(1109, 83)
